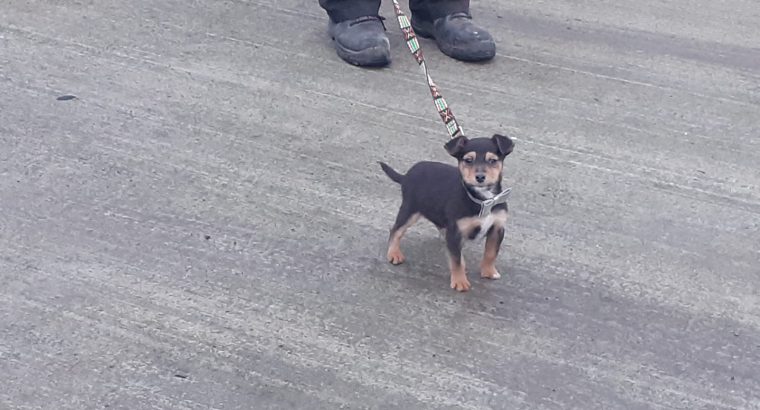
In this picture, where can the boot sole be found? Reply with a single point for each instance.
(377, 56)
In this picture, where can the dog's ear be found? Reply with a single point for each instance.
(455, 146)
(504, 143)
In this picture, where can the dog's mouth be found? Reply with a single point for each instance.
(480, 185)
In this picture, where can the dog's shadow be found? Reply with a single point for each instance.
(425, 256)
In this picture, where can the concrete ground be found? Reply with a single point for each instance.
(204, 225)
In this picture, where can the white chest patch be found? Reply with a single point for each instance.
(467, 225)
(485, 224)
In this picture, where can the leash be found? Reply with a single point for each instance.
(452, 126)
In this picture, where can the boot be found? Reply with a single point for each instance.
(457, 36)
(361, 41)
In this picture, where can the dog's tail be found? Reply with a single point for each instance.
(392, 174)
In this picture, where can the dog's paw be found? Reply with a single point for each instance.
(489, 273)
(460, 284)
(395, 256)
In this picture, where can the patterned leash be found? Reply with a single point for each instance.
(452, 126)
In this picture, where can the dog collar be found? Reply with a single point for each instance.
(488, 204)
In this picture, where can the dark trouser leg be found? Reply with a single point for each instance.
(341, 10)
(433, 9)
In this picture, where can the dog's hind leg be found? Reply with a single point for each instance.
(406, 217)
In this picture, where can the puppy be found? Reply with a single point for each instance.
(450, 197)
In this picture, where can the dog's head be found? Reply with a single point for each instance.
(481, 160)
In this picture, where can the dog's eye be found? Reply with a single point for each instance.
(493, 161)
(468, 160)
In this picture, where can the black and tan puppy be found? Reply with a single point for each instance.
(450, 197)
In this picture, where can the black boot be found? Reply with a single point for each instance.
(457, 36)
(361, 41)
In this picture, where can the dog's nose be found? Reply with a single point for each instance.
(480, 178)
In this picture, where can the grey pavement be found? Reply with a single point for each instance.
(204, 226)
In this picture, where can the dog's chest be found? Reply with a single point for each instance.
(477, 228)
(486, 223)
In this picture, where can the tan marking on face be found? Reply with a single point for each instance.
(468, 170)
(491, 167)
(395, 256)
(493, 171)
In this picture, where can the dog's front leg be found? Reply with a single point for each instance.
(493, 242)
(459, 280)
